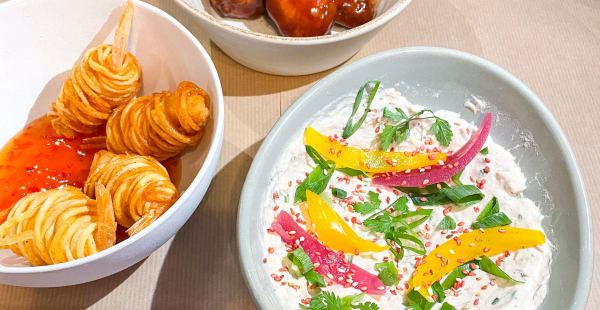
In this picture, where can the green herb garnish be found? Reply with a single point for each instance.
(329, 301)
(447, 306)
(484, 263)
(456, 178)
(484, 151)
(388, 274)
(398, 226)
(401, 130)
(318, 179)
(339, 193)
(417, 301)
(368, 206)
(315, 278)
(487, 265)
(350, 127)
(301, 259)
(351, 172)
(461, 195)
(491, 216)
(447, 223)
(437, 289)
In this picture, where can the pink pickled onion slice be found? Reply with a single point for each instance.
(331, 264)
(454, 163)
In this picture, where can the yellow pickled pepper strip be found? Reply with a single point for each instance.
(466, 247)
(368, 161)
(332, 229)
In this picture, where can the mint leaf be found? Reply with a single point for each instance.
(442, 131)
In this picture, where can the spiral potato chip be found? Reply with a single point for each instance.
(59, 225)
(160, 125)
(107, 77)
(139, 185)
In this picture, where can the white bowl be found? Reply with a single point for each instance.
(255, 43)
(40, 42)
(443, 79)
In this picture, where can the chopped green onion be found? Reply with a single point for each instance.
(318, 179)
(495, 301)
(437, 289)
(447, 223)
(491, 221)
(484, 151)
(314, 278)
(350, 127)
(301, 259)
(455, 274)
(487, 265)
(339, 193)
(464, 195)
(491, 208)
(456, 178)
(436, 199)
(351, 172)
(388, 274)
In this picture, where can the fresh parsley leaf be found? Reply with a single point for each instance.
(441, 130)
(417, 301)
(368, 206)
(397, 115)
(339, 193)
(447, 223)
(366, 306)
(437, 289)
(484, 151)
(401, 204)
(402, 133)
(388, 274)
(447, 306)
(351, 127)
(380, 223)
(324, 301)
(387, 136)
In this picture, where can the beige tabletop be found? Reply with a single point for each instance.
(553, 46)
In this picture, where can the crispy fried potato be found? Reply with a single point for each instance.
(160, 125)
(107, 77)
(140, 188)
(59, 225)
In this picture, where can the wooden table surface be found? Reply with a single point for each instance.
(553, 46)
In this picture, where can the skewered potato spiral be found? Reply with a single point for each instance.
(107, 77)
(160, 125)
(59, 225)
(139, 185)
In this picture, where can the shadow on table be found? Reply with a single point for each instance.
(238, 80)
(201, 269)
(79, 296)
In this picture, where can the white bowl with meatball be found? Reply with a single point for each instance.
(292, 37)
(38, 53)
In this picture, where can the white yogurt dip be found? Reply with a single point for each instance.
(503, 180)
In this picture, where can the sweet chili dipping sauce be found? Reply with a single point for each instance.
(38, 159)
